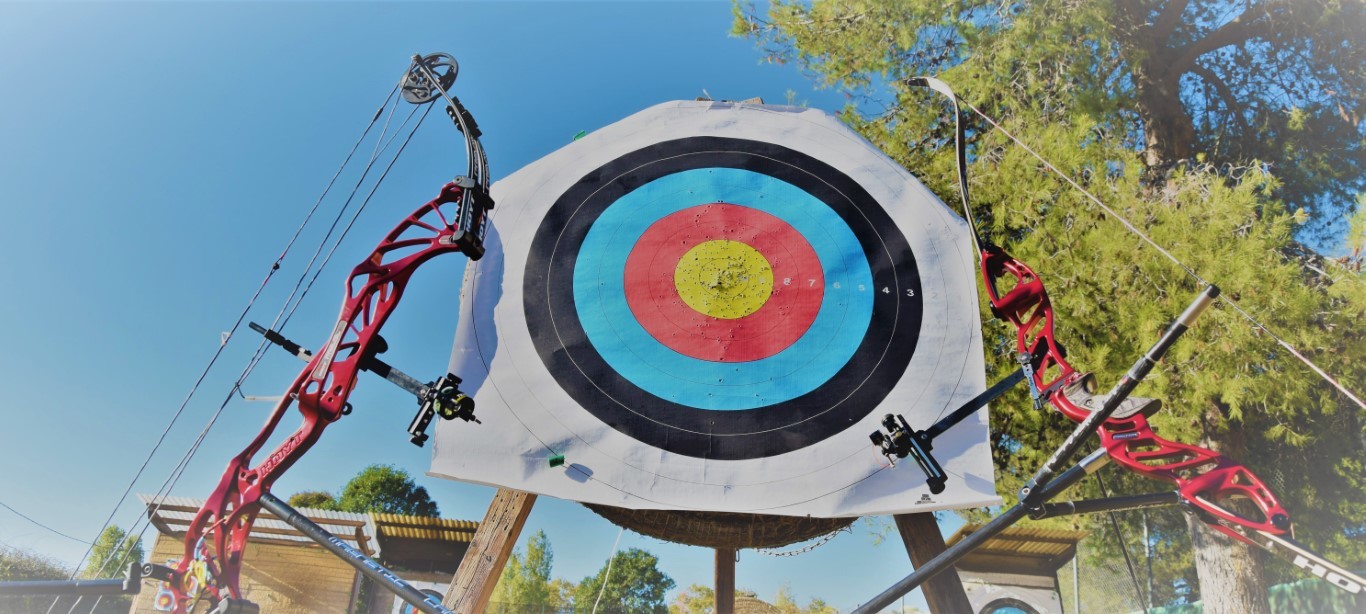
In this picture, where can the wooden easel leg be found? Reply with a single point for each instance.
(472, 586)
(725, 580)
(944, 593)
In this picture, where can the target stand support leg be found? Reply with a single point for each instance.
(472, 587)
(920, 532)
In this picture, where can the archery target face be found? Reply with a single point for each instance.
(711, 307)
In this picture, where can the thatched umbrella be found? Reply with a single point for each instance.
(725, 530)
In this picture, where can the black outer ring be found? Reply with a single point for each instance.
(842, 401)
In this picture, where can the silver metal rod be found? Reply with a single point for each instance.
(128, 585)
(353, 557)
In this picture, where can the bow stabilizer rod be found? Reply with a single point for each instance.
(440, 398)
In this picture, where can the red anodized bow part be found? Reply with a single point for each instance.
(218, 534)
(1205, 479)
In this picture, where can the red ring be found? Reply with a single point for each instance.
(653, 296)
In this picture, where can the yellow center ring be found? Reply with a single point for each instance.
(724, 279)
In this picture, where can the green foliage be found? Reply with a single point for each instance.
(525, 583)
(636, 585)
(16, 564)
(1181, 81)
(696, 599)
(1064, 77)
(316, 499)
(388, 490)
(110, 557)
(1309, 595)
(561, 594)
(1356, 234)
(787, 603)
(1314, 595)
(113, 551)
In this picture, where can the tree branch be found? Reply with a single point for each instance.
(1252, 23)
(1169, 18)
(1230, 101)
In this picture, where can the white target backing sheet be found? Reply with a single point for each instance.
(711, 306)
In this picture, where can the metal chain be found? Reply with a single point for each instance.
(820, 541)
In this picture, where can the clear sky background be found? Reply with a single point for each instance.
(157, 156)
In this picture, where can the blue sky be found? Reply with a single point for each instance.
(157, 157)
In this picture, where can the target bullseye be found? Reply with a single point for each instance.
(724, 279)
(724, 283)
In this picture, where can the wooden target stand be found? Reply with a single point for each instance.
(472, 587)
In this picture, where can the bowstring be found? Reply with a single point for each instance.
(380, 146)
(275, 267)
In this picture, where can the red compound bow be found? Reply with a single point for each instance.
(454, 221)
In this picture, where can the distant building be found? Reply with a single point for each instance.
(1016, 572)
(287, 573)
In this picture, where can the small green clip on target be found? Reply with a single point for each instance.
(557, 460)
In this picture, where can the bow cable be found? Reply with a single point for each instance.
(260, 351)
(380, 146)
(275, 266)
(286, 310)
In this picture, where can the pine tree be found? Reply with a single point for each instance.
(1225, 181)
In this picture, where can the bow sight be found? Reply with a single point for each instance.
(440, 398)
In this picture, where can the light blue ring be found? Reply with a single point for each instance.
(607, 320)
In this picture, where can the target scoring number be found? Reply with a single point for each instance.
(722, 298)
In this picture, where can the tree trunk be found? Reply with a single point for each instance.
(1230, 572)
(1168, 132)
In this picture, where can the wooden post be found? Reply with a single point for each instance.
(472, 586)
(725, 580)
(944, 593)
